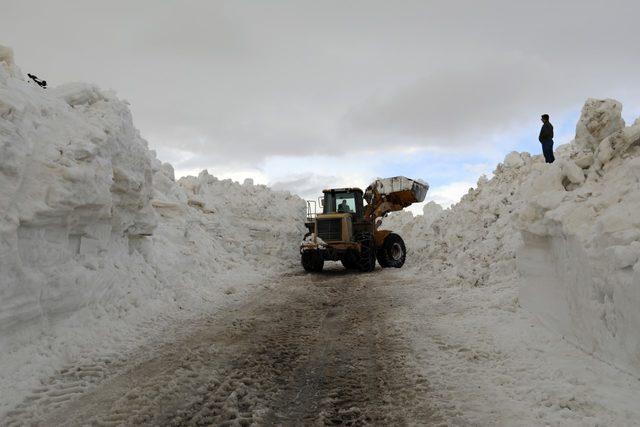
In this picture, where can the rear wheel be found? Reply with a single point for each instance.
(367, 258)
(312, 261)
(393, 252)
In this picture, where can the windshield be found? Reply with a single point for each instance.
(339, 202)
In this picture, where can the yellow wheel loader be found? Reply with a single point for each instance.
(347, 229)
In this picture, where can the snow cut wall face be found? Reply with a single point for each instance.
(580, 262)
(92, 222)
(568, 234)
(75, 183)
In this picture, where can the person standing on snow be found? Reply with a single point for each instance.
(546, 139)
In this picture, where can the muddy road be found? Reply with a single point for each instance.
(309, 350)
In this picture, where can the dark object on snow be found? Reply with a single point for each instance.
(41, 83)
(546, 132)
(547, 151)
(546, 139)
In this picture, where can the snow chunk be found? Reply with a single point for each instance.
(79, 94)
(624, 256)
(616, 144)
(7, 65)
(599, 118)
(572, 172)
(513, 160)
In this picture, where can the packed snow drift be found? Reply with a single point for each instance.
(97, 236)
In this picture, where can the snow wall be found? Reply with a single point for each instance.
(579, 263)
(568, 233)
(96, 233)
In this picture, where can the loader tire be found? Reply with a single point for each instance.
(393, 252)
(350, 260)
(312, 261)
(382, 259)
(367, 258)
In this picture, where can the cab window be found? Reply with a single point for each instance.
(345, 203)
(339, 202)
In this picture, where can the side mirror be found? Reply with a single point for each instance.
(321, 201)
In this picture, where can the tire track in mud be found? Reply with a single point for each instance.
(312, 350)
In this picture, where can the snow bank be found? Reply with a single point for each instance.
(568, 233)
(412, 228)
(474, 242)
(579, 264)
(97, 237)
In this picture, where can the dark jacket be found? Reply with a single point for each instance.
(546, 133)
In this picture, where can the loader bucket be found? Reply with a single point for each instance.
(398, 190)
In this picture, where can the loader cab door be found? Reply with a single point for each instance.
(343, 201)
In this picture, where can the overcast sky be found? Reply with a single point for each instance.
(303, 95)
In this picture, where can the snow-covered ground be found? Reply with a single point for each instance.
(520, 301)
(489, 362)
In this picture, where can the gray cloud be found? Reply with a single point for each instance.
(308, 185)
(235, 82)
(463, 104)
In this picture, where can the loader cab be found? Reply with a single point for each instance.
(343, 200)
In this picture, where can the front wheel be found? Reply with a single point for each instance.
(312, 261)
(393, 252)
(350, 260)
(367, 258)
